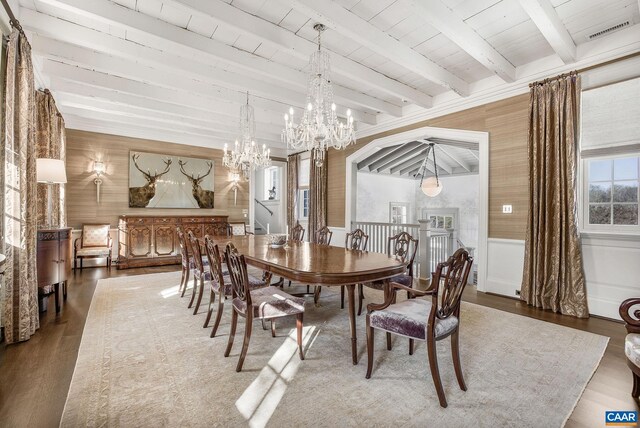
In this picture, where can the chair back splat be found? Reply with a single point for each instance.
(195, 250)
(456, 273)
(238, 274)
(297, 233)
(323, 236)
(404, 247)
(215, 262)
(356, 240)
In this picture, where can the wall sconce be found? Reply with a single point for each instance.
(234, 177)
(98, 169)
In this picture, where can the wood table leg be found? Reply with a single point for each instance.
(56, 291)
(352, 322)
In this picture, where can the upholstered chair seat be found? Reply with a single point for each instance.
(192, 264)
(632, 348)
(254, 283)
(93, 252)
(407, 318)
(270, 302)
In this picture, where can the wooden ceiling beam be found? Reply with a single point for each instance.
(350, 25)
(374, 157)
(439, 16)
(283, 39)
(544, 15)
(397, 153)
(449, 153)
(395, 161)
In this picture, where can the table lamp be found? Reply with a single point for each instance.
(50, 171)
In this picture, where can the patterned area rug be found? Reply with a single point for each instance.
(145, 360)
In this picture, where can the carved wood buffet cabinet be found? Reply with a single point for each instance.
(152, 240)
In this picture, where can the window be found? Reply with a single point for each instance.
(441, 221)
(399, 212)
(272, 183)
(442, 218)
(612, 191)
(304, 173)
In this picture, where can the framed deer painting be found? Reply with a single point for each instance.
(165, 181)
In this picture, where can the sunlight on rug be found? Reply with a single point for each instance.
(145, 360)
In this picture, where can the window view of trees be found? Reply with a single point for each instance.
(613, 191)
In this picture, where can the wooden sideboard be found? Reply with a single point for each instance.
(152, 240)
(53, 259)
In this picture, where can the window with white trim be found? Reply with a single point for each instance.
(272, 183)
(399, 212)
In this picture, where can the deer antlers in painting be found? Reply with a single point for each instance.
(139, 197)
(204, 198)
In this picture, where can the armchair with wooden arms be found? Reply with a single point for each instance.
(428, 320)
(630, 314)
(95, 242)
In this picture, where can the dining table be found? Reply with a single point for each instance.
(316, 264)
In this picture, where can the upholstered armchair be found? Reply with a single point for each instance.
(429, 320)
(238, 228)
(404, 247)
(631, 318)
(94, 243)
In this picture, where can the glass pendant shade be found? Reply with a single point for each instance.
(431, 186)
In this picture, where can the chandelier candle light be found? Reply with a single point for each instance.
(246, 155)
(320, 127)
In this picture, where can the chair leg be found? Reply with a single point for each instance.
(369, 348)
(410, 346)
(289, 283)
(273, 328)
(64, 291)
(360, 298)
(635, 392)
(435, 373)
(200, 293)
(245, 343)
(389, 345)
(455, 351)
(308, 289)
(316, 294)
(81, 260)
(232, 332)
(218, 316)
(212, 299)
(264, 325)
(299, 320)
(75, 263)
(187, 271)
(342, 297)
(181, 281)
(193, 292)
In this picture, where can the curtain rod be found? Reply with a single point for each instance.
(13, 21)
(582, 70)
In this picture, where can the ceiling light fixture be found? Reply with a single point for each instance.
(431, 186)
(246, 156)
(319, 127)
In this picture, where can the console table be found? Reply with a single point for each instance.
(53, 260)
(152, 240)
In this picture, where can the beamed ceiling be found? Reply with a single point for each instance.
(178, 70)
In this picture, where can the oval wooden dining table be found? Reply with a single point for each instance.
(315, 264)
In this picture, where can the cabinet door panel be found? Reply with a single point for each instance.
(216, 229)
(164, 238)
(196, 229)
(66, 255)
(140, 241)
(47, 265)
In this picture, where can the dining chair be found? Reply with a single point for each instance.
(323, 237)
(297, 235)
(238, 229)
(356, 240)
(266, 303)
(221, 283)
(200, 275)
(403, 246)
(94, 242)
(426, 320)
(184, 255)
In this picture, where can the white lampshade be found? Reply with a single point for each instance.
(50, 171)
(431, 187)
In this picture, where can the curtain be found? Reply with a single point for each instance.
(18, 202)
(50, 143)
(318, 182)
(553, 276)
(292, 189)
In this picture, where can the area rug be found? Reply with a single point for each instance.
(145, 360)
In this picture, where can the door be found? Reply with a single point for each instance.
(48, 257)
(66, 255)
(140, 241)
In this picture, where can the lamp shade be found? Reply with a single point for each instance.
(431, 186)
(50, 171)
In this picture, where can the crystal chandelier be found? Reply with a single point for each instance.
(319, 127)
(246, 155)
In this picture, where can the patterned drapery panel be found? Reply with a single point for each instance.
(317, 196)
(50, 143)
(292, 189)
(19, 296)
(553, 276)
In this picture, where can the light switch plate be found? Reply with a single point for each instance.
(507, 209)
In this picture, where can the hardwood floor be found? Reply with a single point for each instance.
(35, 375)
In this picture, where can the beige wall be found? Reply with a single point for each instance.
(507, 124)
(84, 147)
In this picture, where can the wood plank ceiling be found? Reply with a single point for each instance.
(178, 70)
